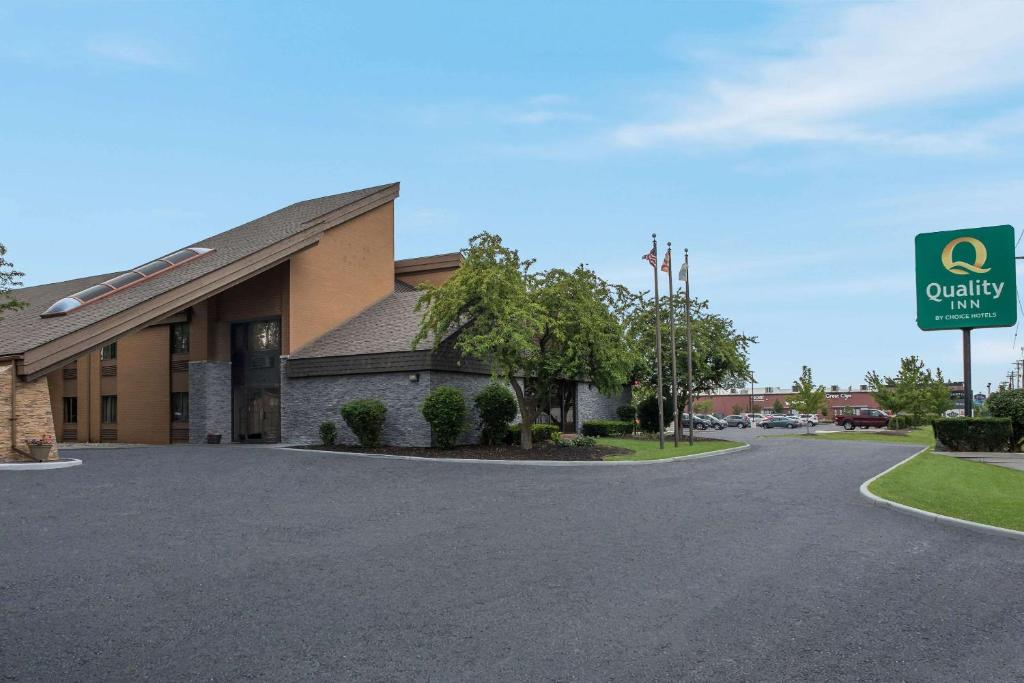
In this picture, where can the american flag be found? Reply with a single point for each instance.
(651, 258)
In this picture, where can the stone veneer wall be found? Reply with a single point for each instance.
(33, 414)
(209, 398)
(308, 401)
(593, 405)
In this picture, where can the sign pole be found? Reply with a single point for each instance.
(968, 394)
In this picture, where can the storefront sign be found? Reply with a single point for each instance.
(966, 279)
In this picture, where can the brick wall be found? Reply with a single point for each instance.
(143, 386)
(593, 405)
(308, 401)
(33, 415)
(209, 395)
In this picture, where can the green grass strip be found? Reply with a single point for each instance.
(648, 450)
(957, 488)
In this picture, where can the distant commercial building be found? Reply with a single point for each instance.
(837, 398)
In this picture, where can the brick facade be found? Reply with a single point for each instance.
(593, 405)
(33, 417)
(209, 388)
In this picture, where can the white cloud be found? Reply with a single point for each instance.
(125, 51)
(544, 109)
(879, 59)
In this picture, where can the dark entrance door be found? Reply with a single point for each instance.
(256, 381)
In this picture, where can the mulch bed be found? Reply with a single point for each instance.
(541, 451)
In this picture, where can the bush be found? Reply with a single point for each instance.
(578, 442)
(445, 410)
(626, 413)
(497, 408)
(365, 417)
(647, 411)
(1009, 403)
(328, 433)
(974, 433)
(607, 428)
(539, 432)
(900, 422)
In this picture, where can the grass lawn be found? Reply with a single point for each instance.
(957, 488)
(648, 449)
(921, 435)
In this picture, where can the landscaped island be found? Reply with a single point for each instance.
(600, 450)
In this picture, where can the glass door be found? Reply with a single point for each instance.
(256, 381)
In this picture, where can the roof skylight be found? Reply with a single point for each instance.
(126, 279)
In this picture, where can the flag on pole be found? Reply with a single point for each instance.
(652, 258)
(684, 273)
(666, 264)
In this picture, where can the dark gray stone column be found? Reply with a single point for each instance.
(209, 398)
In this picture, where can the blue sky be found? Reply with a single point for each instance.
(795, 148)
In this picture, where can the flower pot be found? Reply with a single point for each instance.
(40, 452)
(213, 438)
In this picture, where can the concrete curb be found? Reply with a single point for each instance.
(537, 463)
(934, 516)
(46, 465)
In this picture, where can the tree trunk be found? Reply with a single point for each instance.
(525, 436)
(527, 413)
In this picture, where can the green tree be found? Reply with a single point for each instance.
(914, 390)
(882, 391)
(807, 397)
(938, 398)
(778, 407)
(737, 409)
(720, 353)
(532, 328)
(10, 278)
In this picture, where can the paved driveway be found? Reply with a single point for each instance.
(233, 562)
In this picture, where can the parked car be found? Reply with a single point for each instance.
(741, 421)
(808, 417)
(713, 422)
(698, 423)
(782, 421)
(756, 419)
(867, 417)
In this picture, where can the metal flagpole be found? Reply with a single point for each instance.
(689, 342)
(672, 335)
(657, 342)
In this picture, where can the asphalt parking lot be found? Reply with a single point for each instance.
(221, 563)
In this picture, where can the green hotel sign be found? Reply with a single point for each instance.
(966, 279)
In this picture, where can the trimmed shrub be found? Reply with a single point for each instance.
(496, 407)
(1009, 403)
(626, 413)
(445, 410)
(974, 433)
(365, 417)
(647, 411)
(900, 422)
(607, 428)
(578, 442)
(328, 433)
(539, 432)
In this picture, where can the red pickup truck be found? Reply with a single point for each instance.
(865, 417)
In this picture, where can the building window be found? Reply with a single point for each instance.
(70, 410)
(266, 335)
(179, 406)
(108, 409)
(109, 352)
(179, 338)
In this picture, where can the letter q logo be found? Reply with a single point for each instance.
(962, 267)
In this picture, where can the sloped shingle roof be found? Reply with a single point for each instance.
(25, 329)
(388, 326)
